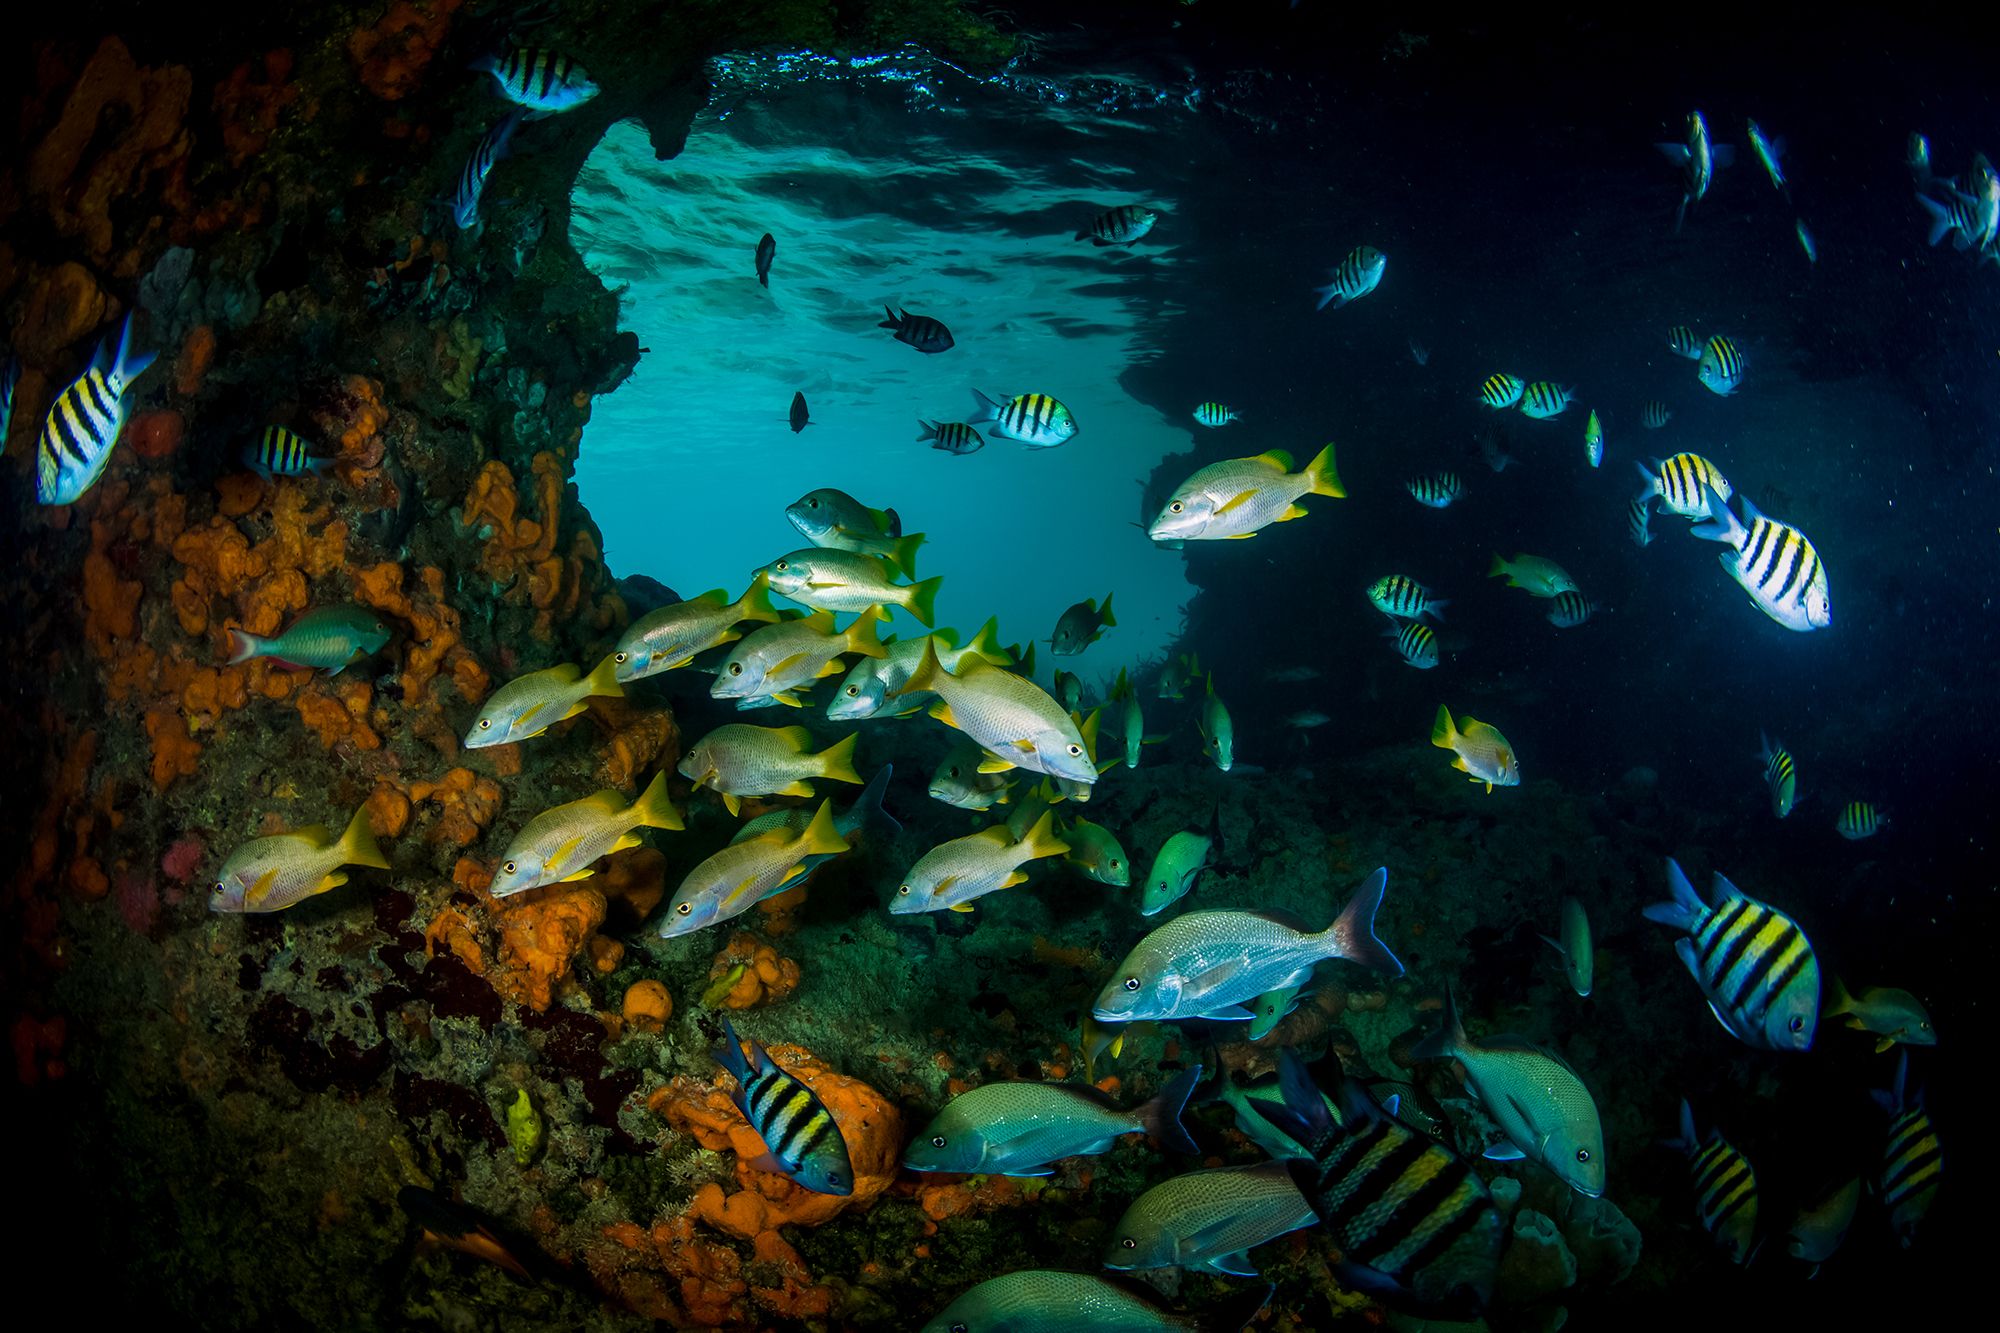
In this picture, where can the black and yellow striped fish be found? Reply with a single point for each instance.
(804, 1141)
(1435, 490)
(492, 146)
(1119, 226)
(1913, 1161)
(84, 421)
(1033, 419)
(1774, 562)
(1502, 390)
(1781, 775)
(278, 452)
(1357, 276)
(1721, 368)
(1655, 414)
(1542, 400)
(1858, 819)
(1414, 1224)
(1570, 609)
(1752, 962)
(543, 81)
(1403, 597)
(1417, 644)
(1683, 342)
(919, 331)
(1682, 483)
(1725, 1188)
(954, 437)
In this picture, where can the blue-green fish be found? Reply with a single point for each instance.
(542, 81)
(329, 639)
(1080, 626)
(1542, 400)
(1593, 440)
(1041, 1300)
(529, 705)
(1414, 1225)
(839, 522)
(1859, 819)
(1212, 964)
(1892, 1015)
(1725, 1188)
(803, 1140)
(1820, 1230)
(277, 452)
(1913, 1161)
(1755, 966)
(1019, 1129)
(566, 842)
(1532, 1094)
(1579, 958)
(1218, 731)
(1270, 1009)
(84, 421)
(1781, 775)
(271, 873)
(1209, 1221)
(1177, 865)
(1096, 851)
(1119, 226)
(1133, 725)
(1721, 368)
(1769, 152)
(1359, 274)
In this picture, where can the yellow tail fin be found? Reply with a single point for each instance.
(861, 636)
(837, 761)
(654, 808)
(820, 835)
(1104, 616)
(357, 844)
(603, 679)
(903, 550)
(1499, 567)
(1042, 839)
(1321, 479)
(1443, 734)
(923, 601)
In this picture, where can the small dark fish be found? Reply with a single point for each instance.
(800, 418)
(1119, 226)
(767, 250)
(10, 375)
(449, 1225)
(486, 154)
(918, 331)
(954, 437)
(278, 452)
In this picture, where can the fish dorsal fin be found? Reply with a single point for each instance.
(713, 597)
(997, 836)
(1276, 458)
(796, 739)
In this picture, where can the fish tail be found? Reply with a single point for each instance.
(603, 679)
(1162, 1115)
(1443, 734)
(867, 807)
(1685, 910)
(1104, 616)
(1940, 217)
(986, 644)
(1321, 478)
(1840, 1002)
(126, 364)
(358, 846)
(1498, 568)
(923, 600)
(1449, 1039)
(987, 409)
(1721, 525)
(755, 603)
(729, 1053)
(1435, 608)
(862, 638)
(1042, 839)
(1688, 1141)
(654, 808)
(1329, 295)
(836, 762)
(903, 552)
(891, 322)
(929, 429)
(1353, 931)
(243, 646)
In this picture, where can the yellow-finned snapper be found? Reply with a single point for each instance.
(830, 580)
(1593, 440)
(836, 521)
(1781, 775)
(959, 781)
(1095, 1040)
(543, 81)
(1209, 1221)
(1721, 368)
(1682, 341)
(1699, 159)
(1435, 490)
(529, 705)
(330, 639)
(1046, 1300)
(1416, 642)
(673, 636)
(1533, 1095)
(1022, 1129)
(565, 843)
(84, 422)
(737, 759)
(1725, 1188)
(1500, 391)
(1014, 718)
(951, 875)
(1119, 226)
(1401, 597)
(1682, 483)
(1238, 497)
(1033, 419)
(863, 812)
(1080, 626)
(1218, 730)
(1096, 852)
(1654, 414)
(870, 685)
(1891, 1015)
(802, 1139)
(1754, 965)
(1479, 751)
(1359, 274)
(1769, 152)
(1570, 609)
(1067, 689)
(1216, 414)
(1579, 959)
(1542, 400)
(1535, 575)
(743, 874)
(271, 873)
(1913, 1161)
(777, 661)
(1774, 562)
(1132, 724)
(1819, 1231)
(1178, 864)
(1859, 819)
(1212, 964)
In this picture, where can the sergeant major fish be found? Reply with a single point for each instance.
(486, 154)
(1239, 497)
(922, 332)
(1535, 1098)
(1401, 597)
(1721, 368)
(1208, 1221)
(1913, 1160)
(1020, 1129)
(1033, 419)
(1754, 965)
(1725, 1188)
(1774, 562)
(1681, 339)
(84, 422)
(1359, 274)
(1119, 226)
(1502, 391)
(1478, 750)
(1654, 414)
(1416, 642)
(566, 842)
(1781, 775)
(542, 81)
(277, 452)
(749, 870)
(329, 639)
(1436, 490)
(954, 437)
(529, 705)
(1542, 400)
(1080, 626)
(803, 1140)
(272, 873)
(1216, 414)
(1682, 483)
(1570, 609)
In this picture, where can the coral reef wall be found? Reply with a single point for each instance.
(268, 193)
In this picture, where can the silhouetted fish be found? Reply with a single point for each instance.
(800, 418)
(918, 331)
(447, 1224)
(767, 250)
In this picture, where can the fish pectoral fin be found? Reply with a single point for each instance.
(1292, 511)
(1017, 877)
(1884, 1044)
(1235, 501)
(1228, 1013)
(832, 668)
(942, 712)
(993, 763)
(626, 843)
(584, 873)
(960, 907)
(1237, 1263)
(799, 788)
(789, 698)
(333, 881)
(1503, 1151)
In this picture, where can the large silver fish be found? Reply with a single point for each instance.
(1209, 1221)
(1019, 1129)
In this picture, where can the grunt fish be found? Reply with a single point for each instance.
(272, 873)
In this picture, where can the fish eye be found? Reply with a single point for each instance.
(1583, 1154)
(1131, 983)
(834, 1177)
(735, 668)
(853, 691)
(812, 503)
(781, 566)
(486, 724)
(1115, 863)
(1798, 1023)
(953, 771)
(1129, 1243)
(221, 886)
(1075, 750)
(684, 908)
(905, 890)
(507, 869)
(1176, 507)
(621, 658)
(937, 1140)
